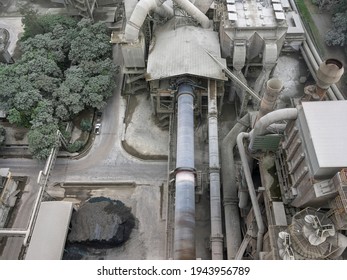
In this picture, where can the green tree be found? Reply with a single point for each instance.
(68, 102)
(18, 118)
(9, 86)
(30, 22)
(43, 114)
(42, 139)
(2, 135)
(65, 67)
(27, 100)
(35, 24)
(91, 42)
(339, 6)
(75, 146)
(337, 36)
(86, 125)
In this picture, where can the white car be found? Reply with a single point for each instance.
(97, 128)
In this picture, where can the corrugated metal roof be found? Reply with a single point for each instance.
(181, 51)
(50, 232)
(326, 122)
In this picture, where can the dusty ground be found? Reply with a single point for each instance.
(142, 136)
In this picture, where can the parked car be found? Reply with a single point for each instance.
(98, 116)
(97, 128)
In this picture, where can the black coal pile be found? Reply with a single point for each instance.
(100, 223)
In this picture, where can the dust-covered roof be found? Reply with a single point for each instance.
(182, 51)
(50, 231)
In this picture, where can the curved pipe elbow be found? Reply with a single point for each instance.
(264, 122)
(133, 26)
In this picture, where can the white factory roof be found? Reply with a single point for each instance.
(253, 14)
(181, 51)
(50, 231)
(326, 123)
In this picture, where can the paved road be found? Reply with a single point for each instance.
(105, 162)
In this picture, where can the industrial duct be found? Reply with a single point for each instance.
(184, 235)
(215, 200)
(139, 15)
(230, 196)
(268, 102)
(194, 12)
(269, 62)
(329, 73)
(143, 7)
(263, 123)
(251, 190)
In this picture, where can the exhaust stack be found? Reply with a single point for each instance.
(329, 72)
(268, 102)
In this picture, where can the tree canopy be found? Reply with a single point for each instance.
(65, 67)
(337, 35)
(2, 135)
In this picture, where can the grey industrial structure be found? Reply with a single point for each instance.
(182, 55)
(50, 231)
(191, 56)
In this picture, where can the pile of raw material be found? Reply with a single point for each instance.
(102, 222)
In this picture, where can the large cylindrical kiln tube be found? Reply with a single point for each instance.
(184, 236)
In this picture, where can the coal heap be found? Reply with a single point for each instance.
(101, 222)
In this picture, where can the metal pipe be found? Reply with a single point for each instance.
(194, 12)
(329, 72)
(243, 95)
(165, 10)
(139, 15)
(215, 199)
(233, 77)
(313, 66)
(268, 102)
(35, 211)
(13, 232)
(311, 52)
(277, 128)
(230, 197)
(270, 55)
(184, 235)
(262, 78)
(251, 190)
(272, 117)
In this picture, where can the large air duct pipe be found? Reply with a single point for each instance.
(139, 15)
(251, 190)
(184, 235)
(329, 73)
(230, 197)
(268, 102)
(215, 200)
(194, 12)
(263, 123)
(269, 62)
